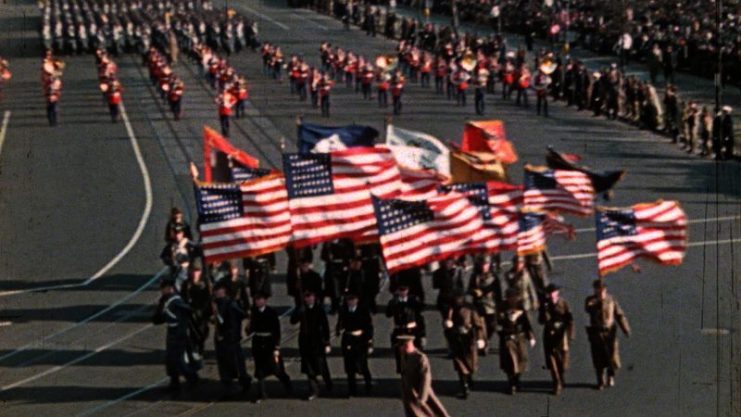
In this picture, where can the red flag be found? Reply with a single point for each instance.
(213, 144)
(488, 136)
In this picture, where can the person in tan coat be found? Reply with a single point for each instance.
(605, 315)
(466, 334)
(515, 333)
(416, 382)
(558, 331)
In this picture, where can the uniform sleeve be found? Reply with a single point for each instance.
(275, 327)
(478, 324)
(621, 319)
(569, 318)
(425, 382)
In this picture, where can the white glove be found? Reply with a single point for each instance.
(327, 349)
(480, 344)
(423, 342)
(370, 350)
(532, 342)
(448, 324)
(276, 353)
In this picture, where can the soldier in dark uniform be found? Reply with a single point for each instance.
(293, 282)
(355, 325)
(227, 337)
(197, 294)
(313, 342)
(466, 334)
(309, 279)
(371, 257)
(605, 315)
(448, 279)
(558, 331)
(264, 327)
(177, 222)
(257, 270)
(336, 256)
(355, 280)
(173, 311)
(410, 278)
(406, 311)
(515, 332)
(486, 289)
(235, 284)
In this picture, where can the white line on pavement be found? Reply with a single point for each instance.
(86, 320)
(139, 228)
(132, 394)
(693, 221)
(4, 128)
(75, 361)
(304, 18)
(268, 18)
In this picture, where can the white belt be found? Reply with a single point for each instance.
(356, 333)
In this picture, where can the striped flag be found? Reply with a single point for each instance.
(498, 204)
(531, 236)
(657, 231)
(558, 190)
(242, 220)
(241, 173)
(554, 224)
(329, 194)
(414, 233)
(420, 184)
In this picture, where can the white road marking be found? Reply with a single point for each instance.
(132, 394)
(6, 323)
(693, 221)
(689, 245)
(86, 320)
(304, 18)
(268, 18)
(139, 228)
(4, 128)
(77, 360)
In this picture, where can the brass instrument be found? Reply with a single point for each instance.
(387, 63)
(547, 66)
(468, 62)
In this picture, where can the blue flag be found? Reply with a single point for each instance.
(324, 139)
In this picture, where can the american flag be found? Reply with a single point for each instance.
(242, 220)
(498, 204)
(329, 194)
(531, 236)
(241, 173)
(420, 184)
(554, 224)
(657, 231)
(558, 190)
(414, 233)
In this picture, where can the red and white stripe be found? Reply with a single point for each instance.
(661, 235)
(454, 227)
(500, 233)
(531, 241)
(574, 194)
(348, 212)
(264, 228)
(419, 184)
(554, 224)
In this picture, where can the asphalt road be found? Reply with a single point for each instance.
(75, 212)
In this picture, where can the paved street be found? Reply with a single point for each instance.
(83, 208)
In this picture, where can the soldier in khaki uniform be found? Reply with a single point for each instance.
(515, 333)
(558, 330)
(416, 382)
(605, 315)
(466, 334)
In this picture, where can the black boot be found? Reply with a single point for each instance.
(463, 394)
(352, 389)
(261, 393)
(313, 390)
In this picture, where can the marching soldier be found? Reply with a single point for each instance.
(264, 326)
(355, 280)
(515, 332)
(53, 94)
(356, 327)
(542, 83)
(370, 255)
(175, 98)
(325, 87)
(466, 334)
(114, 99)
(225, 102)
(486, 289)
(448, 279)
(309, 279)
(397, 89)
(227, 337)
(605, 315)
(173, 311)
(197, 294)
(313, 342)
(416, 381)
(257, 270)
(406, 311)
(336, 256)
(558, 330)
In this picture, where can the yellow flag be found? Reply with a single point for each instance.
(466, 167)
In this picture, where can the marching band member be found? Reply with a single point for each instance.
(482, 81)
(175, 97)
(114, 92)
(325, 86)
(397, 89)
(225, 101)
(523, 77)
(53, 94)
